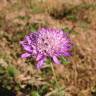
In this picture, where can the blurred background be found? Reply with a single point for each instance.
(19, 77)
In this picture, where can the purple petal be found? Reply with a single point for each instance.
(28, 39)
(21, 42)
(67, 54)
(55, 59)
(25, 55)
(40, 63)
(27, 48)
(39, 56)
(34, 51)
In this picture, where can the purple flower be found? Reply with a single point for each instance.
(46, 42)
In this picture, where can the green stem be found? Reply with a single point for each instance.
(54, 74)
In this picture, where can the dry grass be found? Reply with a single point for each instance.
(17, 18)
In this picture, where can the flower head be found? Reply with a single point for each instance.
(46, 42)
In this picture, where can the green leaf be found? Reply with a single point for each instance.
(48, 61)
(35, 93)
(11, 71)
(64, 61)
(23, 17)
(71, 17)
(43, 89)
